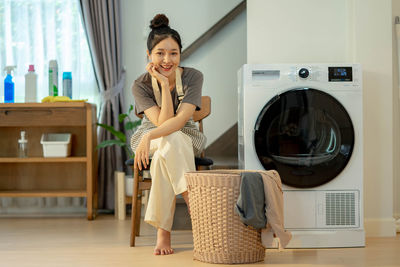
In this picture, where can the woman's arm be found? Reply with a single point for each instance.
(185, 112)
(156, 114)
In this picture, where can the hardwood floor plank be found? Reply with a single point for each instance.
(105, 242)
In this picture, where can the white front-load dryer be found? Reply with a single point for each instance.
(305, 121)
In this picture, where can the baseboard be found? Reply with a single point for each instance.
(42, 211)
(327, 238)
(380, 227)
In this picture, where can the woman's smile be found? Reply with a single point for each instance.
(166, 68)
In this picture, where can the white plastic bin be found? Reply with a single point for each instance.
(56, 144)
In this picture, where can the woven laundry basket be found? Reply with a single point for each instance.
(218, 234)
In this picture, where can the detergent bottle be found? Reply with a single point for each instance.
(9, 90)
(31, 85)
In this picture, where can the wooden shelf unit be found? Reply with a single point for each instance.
(37, 176)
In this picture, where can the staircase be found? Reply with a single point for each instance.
(224, 150)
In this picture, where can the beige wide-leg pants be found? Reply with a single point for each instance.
(173, 156)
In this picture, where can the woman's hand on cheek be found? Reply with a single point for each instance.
(151, 68)
(142, 152)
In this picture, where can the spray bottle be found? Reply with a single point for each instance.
(67, 84)
(53, 78)
(9, 91)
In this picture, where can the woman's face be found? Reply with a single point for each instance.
(166, 56)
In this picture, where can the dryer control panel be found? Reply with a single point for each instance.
(332, 74)
(282, 77)
(328, 73)
(267, 75)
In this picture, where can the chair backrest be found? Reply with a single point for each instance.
(205, 109)
(198, 115)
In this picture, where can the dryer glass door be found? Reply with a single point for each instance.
(306, 135)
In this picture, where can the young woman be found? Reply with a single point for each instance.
(168, 95)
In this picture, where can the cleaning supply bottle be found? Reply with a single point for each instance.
(53, 78)
(31, 85)
(67, 84)
(9, 90)
(22, 146)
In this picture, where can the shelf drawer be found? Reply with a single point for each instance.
(43, 177)
(28, 116)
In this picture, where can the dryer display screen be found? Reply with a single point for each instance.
(340, 74)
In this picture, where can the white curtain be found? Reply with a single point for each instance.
(34, 32)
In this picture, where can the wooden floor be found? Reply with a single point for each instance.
(105, 242)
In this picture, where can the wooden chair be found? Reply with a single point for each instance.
(140, 184)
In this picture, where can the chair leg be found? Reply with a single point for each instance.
(138, 212)
(134, 204)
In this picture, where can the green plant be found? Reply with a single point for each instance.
(120, 140)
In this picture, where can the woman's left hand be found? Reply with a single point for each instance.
(142, 152)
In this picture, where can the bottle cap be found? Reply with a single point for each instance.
(22, 140)
(67, 75)
(53, 63)
(31, 68)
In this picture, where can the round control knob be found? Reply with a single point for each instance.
(303, 73)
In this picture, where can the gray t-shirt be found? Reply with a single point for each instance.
(192, 82)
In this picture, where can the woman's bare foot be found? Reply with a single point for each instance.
(163, 246)
(185, 196)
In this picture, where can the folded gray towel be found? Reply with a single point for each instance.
(251, 205)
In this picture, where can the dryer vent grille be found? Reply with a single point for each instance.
(340, 209)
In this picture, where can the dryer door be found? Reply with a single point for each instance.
(306, 135)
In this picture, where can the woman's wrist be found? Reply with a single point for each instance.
(165, 84)
(149, 135)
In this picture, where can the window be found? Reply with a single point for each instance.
(37, 31)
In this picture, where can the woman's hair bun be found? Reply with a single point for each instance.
(159, 21)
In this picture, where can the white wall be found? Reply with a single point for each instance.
(218, 59)
(290, 31)
(373, 48)
(396, 113)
